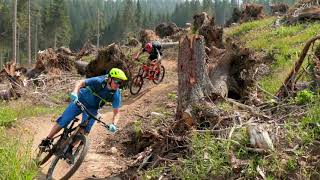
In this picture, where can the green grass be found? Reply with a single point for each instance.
(152, 173)
(209, 159)
(15, 159)
(11, 112)
(15, 155)
(284, 43)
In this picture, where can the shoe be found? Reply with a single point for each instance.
(45, 143)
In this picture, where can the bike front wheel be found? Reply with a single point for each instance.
(43, 156)
(159, 75)
(63, 168)
(136, 85)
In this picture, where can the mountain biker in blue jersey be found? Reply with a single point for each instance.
(93, 93)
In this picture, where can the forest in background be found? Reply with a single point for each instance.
(71, 23)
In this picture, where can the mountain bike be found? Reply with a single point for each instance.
(60, 145)
(150, 72)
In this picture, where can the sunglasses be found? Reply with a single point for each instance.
(117, 81)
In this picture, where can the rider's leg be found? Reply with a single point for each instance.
(67, 116)
(54, 130)
(89, 125)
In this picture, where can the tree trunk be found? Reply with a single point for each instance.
(1, 59)
(29, 32)
(15, 31)
(36, 41)
(98, 28)
(194, 85)
(55, 40)
(18, 60)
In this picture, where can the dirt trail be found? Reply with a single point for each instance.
(100, 161)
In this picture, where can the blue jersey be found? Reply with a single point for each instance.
(98, 85)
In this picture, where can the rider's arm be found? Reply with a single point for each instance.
(116, 104)
(78, 85)
(158, 56)
(116, 116)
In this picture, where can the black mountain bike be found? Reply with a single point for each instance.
(61, 144)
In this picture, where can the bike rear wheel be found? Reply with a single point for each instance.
(158, 77)
(78, 155)
(136, 85)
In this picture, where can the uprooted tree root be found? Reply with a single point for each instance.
(302, 11)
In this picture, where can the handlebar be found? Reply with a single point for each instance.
(84, 109)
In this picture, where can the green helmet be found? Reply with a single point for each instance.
(118, 73)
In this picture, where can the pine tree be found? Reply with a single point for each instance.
(128, 19)
(29, 32)
(138, 14)
(15, 31)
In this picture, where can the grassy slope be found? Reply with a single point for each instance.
(15, 155)
(284, 43)
(210, 157)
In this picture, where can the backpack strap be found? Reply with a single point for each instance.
(102, 101)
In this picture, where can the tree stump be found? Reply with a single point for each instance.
(194, 85)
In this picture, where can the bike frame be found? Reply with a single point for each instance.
(66, 137)
(147, 69)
